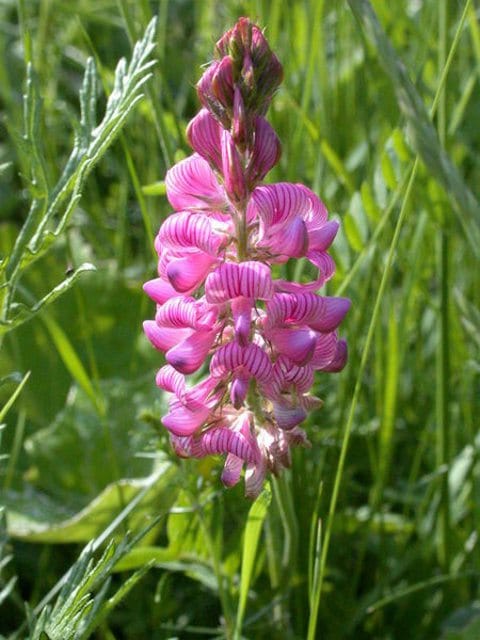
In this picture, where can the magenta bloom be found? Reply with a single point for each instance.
(257, 339)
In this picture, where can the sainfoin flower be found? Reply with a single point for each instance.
(220, 310)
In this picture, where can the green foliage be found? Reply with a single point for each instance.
(373, 532)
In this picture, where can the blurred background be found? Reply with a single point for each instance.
(378, 114)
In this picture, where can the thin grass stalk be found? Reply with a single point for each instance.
(443, 344)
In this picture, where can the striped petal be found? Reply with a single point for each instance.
(232, 470)
(339, 360)
(325, 350)
(279, 203)
(191, 184)
(159, 290)
(164, 338)
(192, 230)
(288, 416)
(242, 318)
(230, 280)
(321, 313)
(232, 169)
(320, 238)
(297, 344)
(189, 355)
(203, 134)
(238, 391)
(178, 312)
(219, 440)
(186, 274)
(266, 151)
(290, 241)
(181, 421)
(169, 379)
(231, 356)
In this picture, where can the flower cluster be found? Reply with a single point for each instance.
(217, 300)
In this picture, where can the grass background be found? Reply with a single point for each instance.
(374, 531)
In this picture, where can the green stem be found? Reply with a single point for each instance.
(443, 345)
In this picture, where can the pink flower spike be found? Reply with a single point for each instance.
(191, 184)
(230, 280)
(186, 274)
(188, 356)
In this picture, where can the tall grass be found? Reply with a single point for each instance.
(373, 533)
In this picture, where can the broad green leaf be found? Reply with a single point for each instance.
(44, 525)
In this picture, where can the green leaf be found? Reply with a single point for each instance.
(253, 529)
(43, 525)
(22, 313)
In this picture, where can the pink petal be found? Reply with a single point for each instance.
(186, 274)
(159, 290)
(164, 338)
(192, 230)
(254, 479)
(266, 151)
(242, 318)
(232, 356)
(230, 280)
(339, 360)
(291, 240)
(238, 391)
(279, 203)
(320, 238)
(232, 470)
(288, 416)
(232, 169)
(189, 355)
(316, 214)
(240, 121)
(169, 379)
(325, 350)
(257, 363)
(218, 440)
(183, 422)
(203, 134)
(297, 344)
(191, 184)
(321, 313)
(177, 312)
(324, 263)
